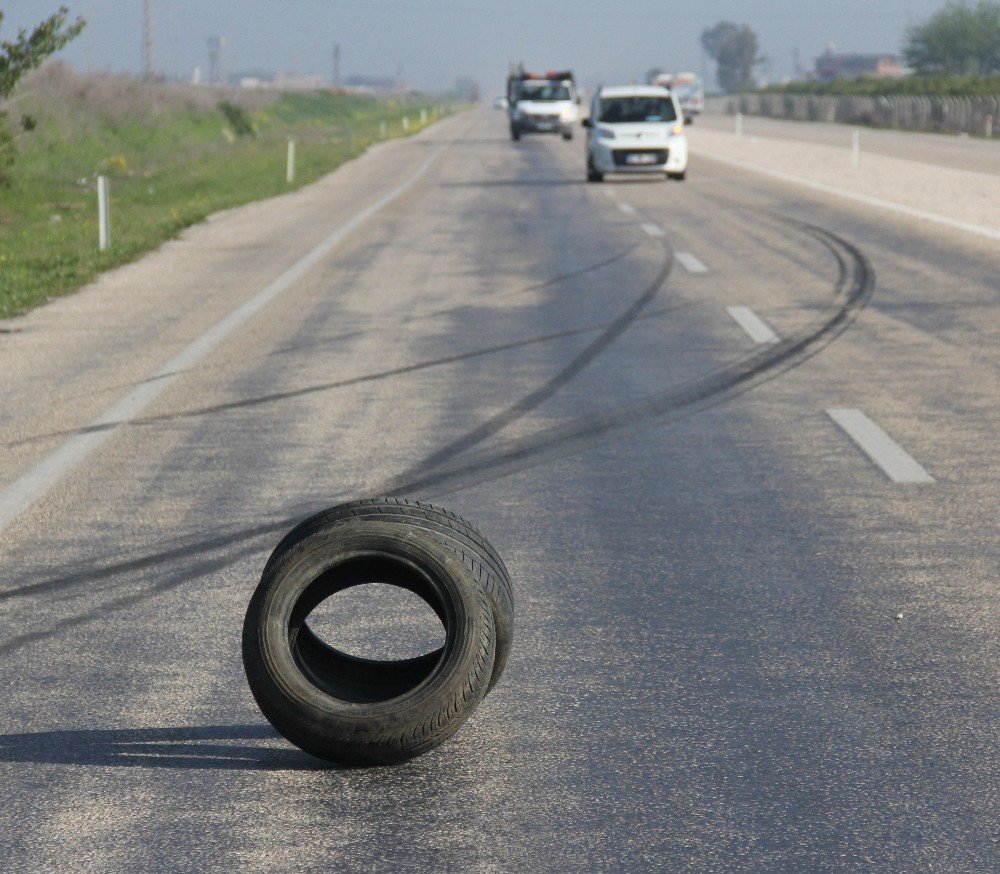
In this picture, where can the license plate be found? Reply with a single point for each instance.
(640, 159)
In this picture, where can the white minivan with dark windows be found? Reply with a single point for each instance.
(636, 129)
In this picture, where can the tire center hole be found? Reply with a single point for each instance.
(378, 621)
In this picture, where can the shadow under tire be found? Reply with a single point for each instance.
(460, 535)
(345, 709)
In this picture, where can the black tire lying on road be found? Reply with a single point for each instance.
(350, 710)
(461, 536)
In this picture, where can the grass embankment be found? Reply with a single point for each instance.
(173, 155)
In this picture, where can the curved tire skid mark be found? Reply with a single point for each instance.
(611, 332)
(854, 287)
(545, 391)
(277, 396)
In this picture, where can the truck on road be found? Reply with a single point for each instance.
(542, 103)
(689, 89)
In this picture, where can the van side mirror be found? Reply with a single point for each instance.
(585, 122)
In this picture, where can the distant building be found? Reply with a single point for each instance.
(830, 65)
(295, 82)
(370, 83)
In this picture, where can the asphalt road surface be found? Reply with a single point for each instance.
(958, 152)
(743, 641)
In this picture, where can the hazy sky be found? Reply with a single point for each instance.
(434, 41)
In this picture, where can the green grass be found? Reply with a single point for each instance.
(168, 168)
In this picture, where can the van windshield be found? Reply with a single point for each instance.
(544, 91)
(632, 110)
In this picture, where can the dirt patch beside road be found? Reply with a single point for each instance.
(959, 195)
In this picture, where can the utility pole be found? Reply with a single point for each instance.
(148, 48)
(213, 59)
(216, 59)
(336, 65)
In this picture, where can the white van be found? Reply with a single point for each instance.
(637, 129)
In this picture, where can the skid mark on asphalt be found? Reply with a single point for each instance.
(273, 397)
(853, 289)
(17, 496)
(533, 399)
(413, 317)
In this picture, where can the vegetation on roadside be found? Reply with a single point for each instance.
(173, 154)
(19, 56)
(962, 39)
(923, 86)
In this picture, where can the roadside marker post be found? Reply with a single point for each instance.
(423, 117)
(739, 125)
(406, 123)
(856, 148)
(350, 139)
(382, 130)
(290, 166)
(103, 220)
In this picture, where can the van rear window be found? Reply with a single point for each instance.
(633, 110)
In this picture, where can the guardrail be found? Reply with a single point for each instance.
(979, 116)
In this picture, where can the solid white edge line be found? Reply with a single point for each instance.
(860, 198)
(653, 230)
(758, 330)
(626, 208)
(690, 262)
(896, 462)
(30, 486)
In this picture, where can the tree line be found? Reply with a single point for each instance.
(960, 40)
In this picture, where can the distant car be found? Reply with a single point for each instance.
(500, 103)
(544, 106)
(637, 129)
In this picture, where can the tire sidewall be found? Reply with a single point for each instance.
(315, 720)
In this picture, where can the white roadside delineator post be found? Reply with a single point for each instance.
(856, 148)
(103, 220)
(406, 123)
(423, 117)
(382, 130)
(739, 125)
(290, 167)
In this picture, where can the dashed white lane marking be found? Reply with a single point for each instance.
(653, 230)
(754, 325)
(690, 262)
(627, 208)
(897, 464)
(24, 491)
